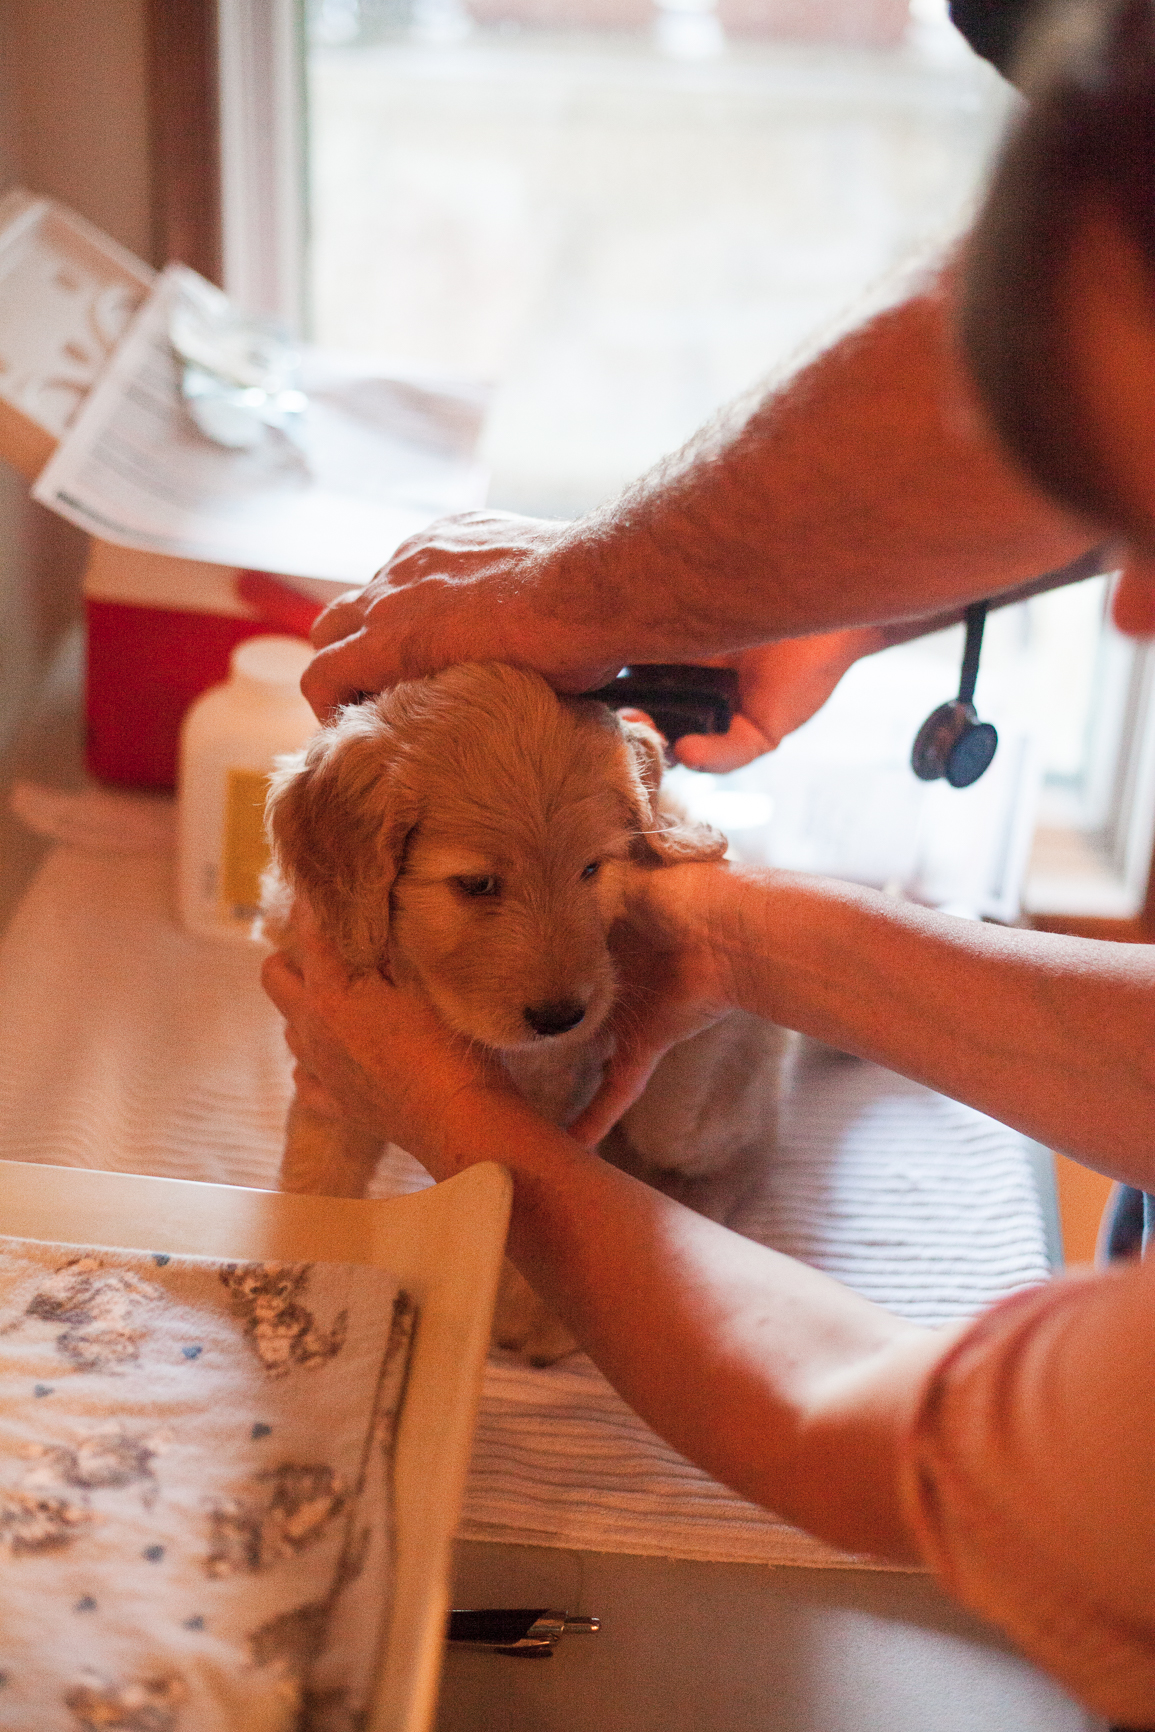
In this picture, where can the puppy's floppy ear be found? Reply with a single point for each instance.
(338, 815)
(665, 836)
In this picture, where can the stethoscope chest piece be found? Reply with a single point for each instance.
(952, 742)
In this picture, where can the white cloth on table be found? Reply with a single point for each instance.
(131, 1045)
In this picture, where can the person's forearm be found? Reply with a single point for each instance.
(772, 1376)
(1053, 1035)
(1094, 563)
(800, 1388)
(861, 492)
(864, 489)
(844, 648)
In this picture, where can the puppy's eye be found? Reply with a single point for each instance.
(592, 870)
(488, 886)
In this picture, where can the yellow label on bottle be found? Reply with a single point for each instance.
(245, 852)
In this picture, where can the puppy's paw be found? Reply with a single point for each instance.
(523, 1324)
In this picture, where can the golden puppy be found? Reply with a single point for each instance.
(471, 832)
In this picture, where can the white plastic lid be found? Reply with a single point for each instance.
(272, 663)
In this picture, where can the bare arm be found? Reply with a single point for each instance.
(864, 489)
(781, 1382)
(1053, 1035)
(776, 1379)
(782, 684)
(999, 1451)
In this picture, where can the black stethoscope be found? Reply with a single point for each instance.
(953, 742)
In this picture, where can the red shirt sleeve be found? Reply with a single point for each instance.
(1029, 1478)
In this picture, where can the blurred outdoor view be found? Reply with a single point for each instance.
(625, 212)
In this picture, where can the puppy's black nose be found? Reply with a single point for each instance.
(554, 1018)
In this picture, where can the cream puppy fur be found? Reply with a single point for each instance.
(471, 833)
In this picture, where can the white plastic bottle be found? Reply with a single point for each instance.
(229, 739)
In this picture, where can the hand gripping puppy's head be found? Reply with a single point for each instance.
(469, 832)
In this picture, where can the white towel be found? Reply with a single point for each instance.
(132, 1046)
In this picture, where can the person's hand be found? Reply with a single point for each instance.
(374, 1053)
(1133, 601)
(673, 980)
(478, 587)
(780, 686)
(371, 1052)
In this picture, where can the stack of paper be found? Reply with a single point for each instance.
(375, 456)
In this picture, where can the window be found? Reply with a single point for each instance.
(624, 212)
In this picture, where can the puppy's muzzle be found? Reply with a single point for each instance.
(556, 1017)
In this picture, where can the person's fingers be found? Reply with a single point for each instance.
(781, 685)
(289, 982)
(718, 753)
(342, 672)
(282, 982)
(312, 1094)
(622, 1085)
(345, 670)
(1133, 601)
(285, 987)
(341, 617)
(316, 960)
